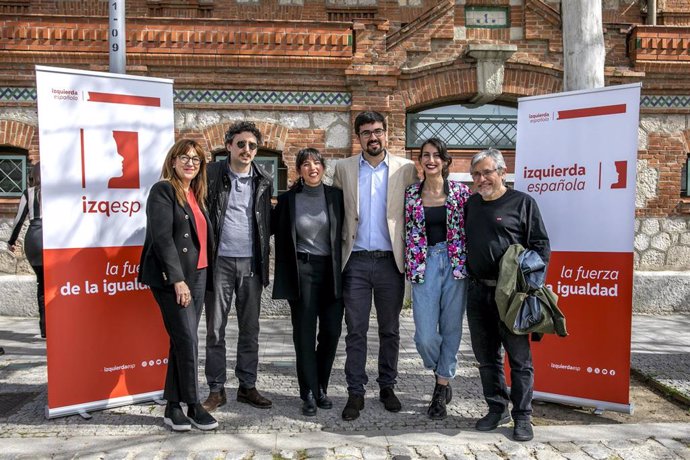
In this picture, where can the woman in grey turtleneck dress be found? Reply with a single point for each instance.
(307, 223)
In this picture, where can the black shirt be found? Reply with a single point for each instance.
(435, 222)
(492, 226)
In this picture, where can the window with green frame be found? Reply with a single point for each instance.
(685, 178)
(268, 160)
(13, 171)
(462, 127)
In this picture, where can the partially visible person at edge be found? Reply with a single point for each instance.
(308, 223)
(30, 206)
(239, 205)
(174, 262)
(435, 265)
(373, 184)
(496, 217)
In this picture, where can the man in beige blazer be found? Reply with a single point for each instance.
(373, 184)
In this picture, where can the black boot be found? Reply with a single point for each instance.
(323, 401)
(309, 405)
(437, 407)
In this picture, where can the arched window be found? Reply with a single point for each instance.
(13, 171)
(463, 127)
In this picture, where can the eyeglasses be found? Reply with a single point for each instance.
(486, 173)
(243, 144)
(185, 159)
(378, 132)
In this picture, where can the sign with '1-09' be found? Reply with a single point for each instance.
(103, 139)
(577, 155)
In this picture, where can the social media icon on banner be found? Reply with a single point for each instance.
(158, 362)
(165, 361)
(143, 364)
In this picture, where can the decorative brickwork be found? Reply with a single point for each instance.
(666, 154)
(287, 65)
(653, 43)
(17, 134)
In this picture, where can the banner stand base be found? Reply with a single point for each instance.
(84, 409)
(598, 406)
(160, 401)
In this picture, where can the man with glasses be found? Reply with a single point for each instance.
(495, 218)
(239, 205)
(373, 184)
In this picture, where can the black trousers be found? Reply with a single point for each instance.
(488, 333)
(40, 298)
(367, 274)
(181, 380)
(315, 354)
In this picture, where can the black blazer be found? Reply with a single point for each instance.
(285, 285)
(171, 247)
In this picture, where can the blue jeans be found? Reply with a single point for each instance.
(438, 305)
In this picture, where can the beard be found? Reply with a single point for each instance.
(374, 148)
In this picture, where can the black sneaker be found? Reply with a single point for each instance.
(175, 418)
(355, 403)
(389, 400)
(492, 420)
(437, 408)
(200, 417)
(449, 393)
(522, 431)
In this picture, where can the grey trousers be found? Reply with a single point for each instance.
(233, 275)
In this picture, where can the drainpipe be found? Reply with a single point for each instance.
(117, 45)
(651, 12)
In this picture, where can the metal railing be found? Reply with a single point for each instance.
(463, 131)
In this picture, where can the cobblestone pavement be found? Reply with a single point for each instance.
(137, 431)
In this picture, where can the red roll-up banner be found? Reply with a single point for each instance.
(103, 138)
(577, 155)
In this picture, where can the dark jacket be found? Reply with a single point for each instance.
(171, 247)
(217, 204)
(524, 303)
(285, 283)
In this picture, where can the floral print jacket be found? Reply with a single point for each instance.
(415, 230)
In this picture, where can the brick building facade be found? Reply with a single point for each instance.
(304, 68)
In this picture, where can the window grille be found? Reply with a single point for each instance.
(463, 131)
(13, 175)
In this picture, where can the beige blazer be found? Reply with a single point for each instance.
(401, 173)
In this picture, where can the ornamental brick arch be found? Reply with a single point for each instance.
(18, 134)
(274, 135)
(460, 83)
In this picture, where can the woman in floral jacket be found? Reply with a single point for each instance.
(435, 265)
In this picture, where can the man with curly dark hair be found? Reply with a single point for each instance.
(239, 206)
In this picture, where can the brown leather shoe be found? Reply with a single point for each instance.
(215, 400)
(252, 397)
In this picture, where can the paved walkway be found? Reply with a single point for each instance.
(661, 353)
